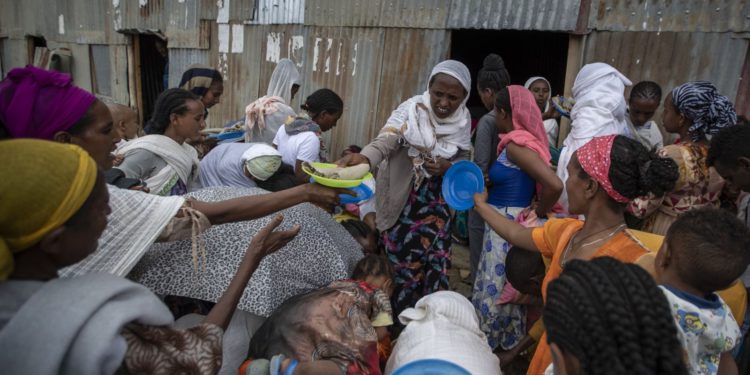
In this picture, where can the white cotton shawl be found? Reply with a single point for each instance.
(282, 79)
(599, 110)
(443, 325)
(181, 159)
(431, 137)
(136, 220)
(72, 326)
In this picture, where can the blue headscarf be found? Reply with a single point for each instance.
(702, 103)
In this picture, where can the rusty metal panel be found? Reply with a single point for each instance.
(406, 70)
(554, 15)
(670, 15)
(277, 12)
(130, 15)
(671, 58)
(378, 13)
(13, 54)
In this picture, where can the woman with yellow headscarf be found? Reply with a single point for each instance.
(55, 207)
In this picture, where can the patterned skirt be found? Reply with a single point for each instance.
(418, 246)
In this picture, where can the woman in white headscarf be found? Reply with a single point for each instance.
(417, 145)
(541, 88)
(599, 110)
(239, 164)
(266, 115)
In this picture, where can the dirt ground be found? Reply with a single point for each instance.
(459, 272)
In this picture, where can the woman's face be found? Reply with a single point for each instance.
(295, 88)
(673, 121)
(446, 95)
(642, 110)
(503, 121)
(98, 137)
(190, 124)
(82, 232)
(575, 186)
(540, 89)
(488, 97)
(211, 98)
(327, 121)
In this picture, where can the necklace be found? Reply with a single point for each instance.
(564, 259)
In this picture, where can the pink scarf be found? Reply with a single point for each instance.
(528, 128)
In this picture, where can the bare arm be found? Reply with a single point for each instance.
(265, 242)
(515, 233)
(299, 175)
(253, 207)
(727, 365)
(530, 162)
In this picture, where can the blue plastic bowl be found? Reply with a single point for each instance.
(431, 367)
(460, 183)
(363, 193)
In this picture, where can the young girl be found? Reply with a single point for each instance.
(644, 100)
(299, 140)
(693, 110)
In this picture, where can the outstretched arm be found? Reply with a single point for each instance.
(513, 232)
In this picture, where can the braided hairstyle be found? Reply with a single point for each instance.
(613, 318)
(493, 74)
(729, 145)
(647, 90)
(713, 248)
(170, 101)
(323, 100)
(635, 172)
(373, 265)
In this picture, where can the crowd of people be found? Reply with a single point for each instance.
(163, 250)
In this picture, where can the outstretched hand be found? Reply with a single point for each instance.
(267, 241)
(352, 159)
(480, 198)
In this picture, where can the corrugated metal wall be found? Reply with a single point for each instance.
(555, 15)
(378, 13)
(670, 15)
(670, 58)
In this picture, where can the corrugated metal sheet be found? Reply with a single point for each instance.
(378, 13)
(13, 53)
(275, 12)
(555, 15)
(670, 15)
(671, 58)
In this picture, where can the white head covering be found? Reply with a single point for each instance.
(283, 77)
(261, 161)
(429, 136)
(599, 110)
(443, 325)
(537, 78)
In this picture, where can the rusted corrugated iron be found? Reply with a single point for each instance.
(670, 15)
(278, 12)
(431, 14)
(554, 15)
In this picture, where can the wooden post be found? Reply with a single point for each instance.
(134, 81)
(576, 44)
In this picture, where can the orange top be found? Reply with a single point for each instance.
(551, 240)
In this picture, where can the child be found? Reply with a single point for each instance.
(525, 271)
(645, 98)
(125, 121)
(704, 251)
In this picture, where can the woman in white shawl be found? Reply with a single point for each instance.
(417, 145)
(599, 110)
(541, 88)
(239, 164)
(163, 159)
(265, 116)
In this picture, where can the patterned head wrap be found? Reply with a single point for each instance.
(37, 103)
(198, 78)
(44, 184)
(595, 158)
(701, 102)
(262, 161)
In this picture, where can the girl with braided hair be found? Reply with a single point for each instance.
(606, 317)
(694, 111)
(300, 140)
(163, 158)
(604, 174)
(644, 100)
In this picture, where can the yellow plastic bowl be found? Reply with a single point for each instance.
(331, 182)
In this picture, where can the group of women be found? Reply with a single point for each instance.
(602, 174)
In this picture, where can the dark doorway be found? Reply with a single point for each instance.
(151, 53)
(526, 54)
